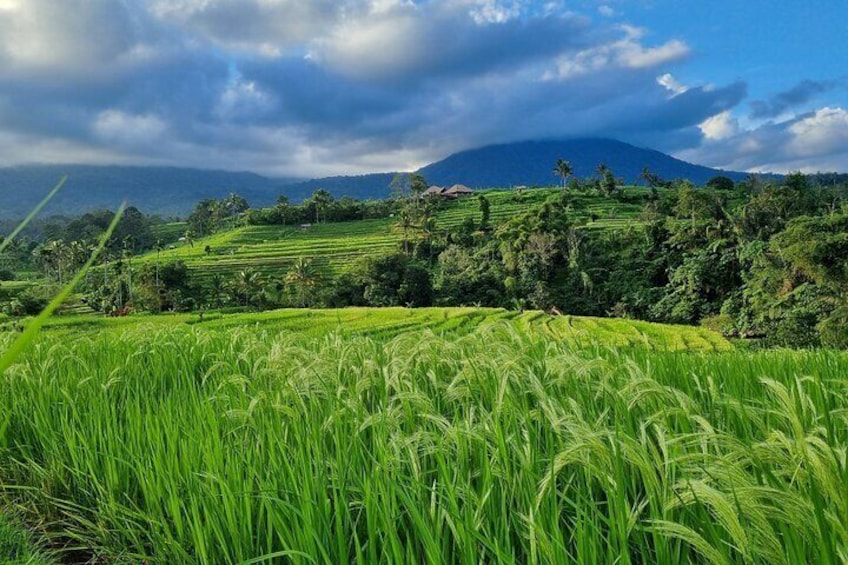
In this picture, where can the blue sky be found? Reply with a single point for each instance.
(320, 87)
(771, 45)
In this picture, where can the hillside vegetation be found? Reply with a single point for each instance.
(333, 245)
(762, 260)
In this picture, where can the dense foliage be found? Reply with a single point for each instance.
(754, 259)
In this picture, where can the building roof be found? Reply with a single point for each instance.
(459, 189)
(435, 190)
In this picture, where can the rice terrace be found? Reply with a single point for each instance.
(404, 281)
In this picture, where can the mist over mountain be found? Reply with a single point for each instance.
(361, 187)
(173, 191)
(154, 190)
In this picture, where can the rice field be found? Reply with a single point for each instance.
(384, 323)
(433, 436)
(273, 249)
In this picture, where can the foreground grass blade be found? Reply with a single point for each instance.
(35, 325)
(32, 214)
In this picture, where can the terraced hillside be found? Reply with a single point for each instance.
(386, 323)
(331, 246)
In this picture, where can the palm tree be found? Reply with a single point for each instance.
(79, 253)
(281, 207)
(404, 224)
(322, 200)
(53, 256)
(646, 176)
(428, 227)
(563, 169)
(158, 246)
(127, 253)
(304, 278)
(217, 288)
(247, 284)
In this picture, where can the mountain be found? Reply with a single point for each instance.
(532, 163)
(155, 190)
(361, 187)
(170, 191)
(525, 163)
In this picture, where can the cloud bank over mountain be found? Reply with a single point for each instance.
(286, 87)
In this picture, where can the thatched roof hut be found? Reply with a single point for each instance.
(458, 190)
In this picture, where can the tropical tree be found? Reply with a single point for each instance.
(282, 207)
(54, 258)
(721, 182)
(404, 224)
(247, 285)
(607, 182)
(217, 289)
(563, 170)
(158, 246)
(652, 180)
(322, 201)
(234, 204)
(485, 211)
(303, 279)
(418, 186)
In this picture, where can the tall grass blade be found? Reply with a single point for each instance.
(35, 325)
(8, 239)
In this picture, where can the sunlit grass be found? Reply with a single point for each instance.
(184, 443)
(334, 245)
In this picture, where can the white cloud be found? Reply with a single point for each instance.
(244, 99)
(720, 126)
(264, 27)
(119, 127)
(606, 11)
(389, 41)
(639, 57)
(812, 142)
(67, 36)
(822, 133)
(494, 11)
(671, 84)
(625, 53)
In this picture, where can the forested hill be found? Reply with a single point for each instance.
(361, 187)
(532, 162)
(529, 163)
(175, 191)
(156, 190)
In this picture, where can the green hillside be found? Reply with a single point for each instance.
(332, 245)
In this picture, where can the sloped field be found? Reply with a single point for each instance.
(437, 436)
(331, 246)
